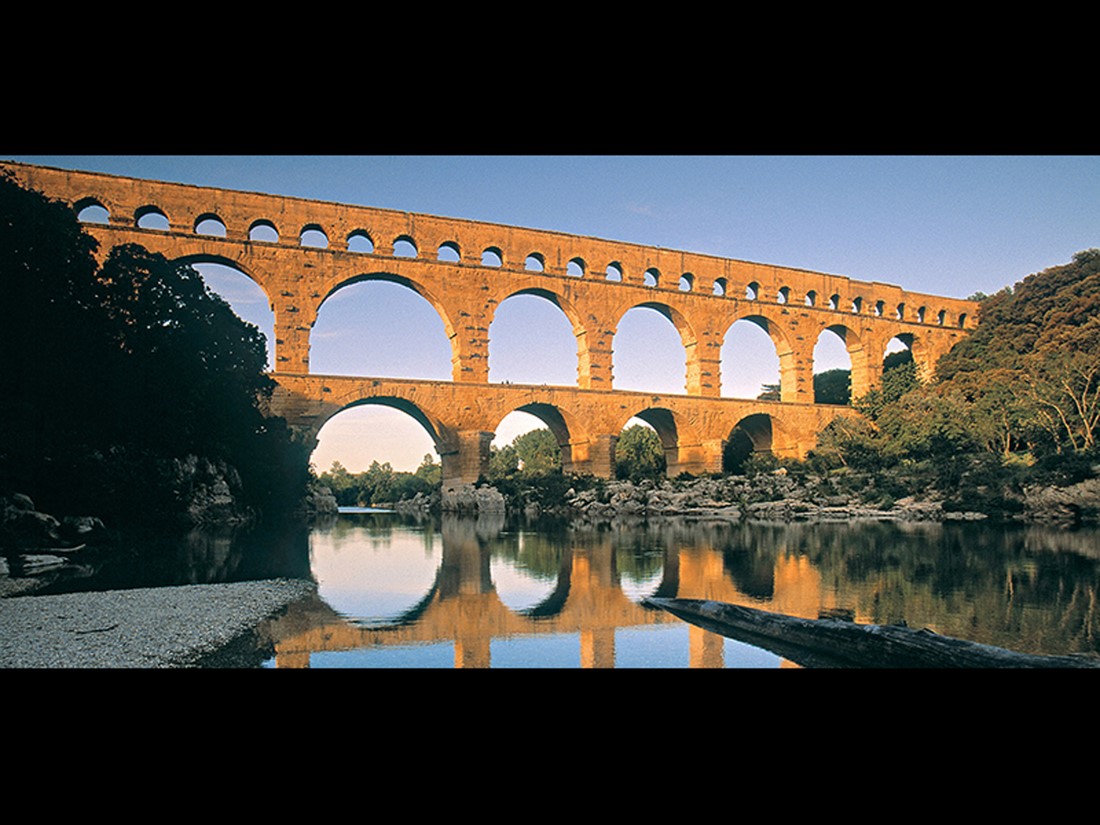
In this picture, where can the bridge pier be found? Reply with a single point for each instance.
(467, 460)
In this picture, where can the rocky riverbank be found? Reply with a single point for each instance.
(775, 496)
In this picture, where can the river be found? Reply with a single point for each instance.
(398, 592)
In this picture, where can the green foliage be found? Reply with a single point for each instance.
(115, 371)
(833, 387)
(639, 454)
(380, 483)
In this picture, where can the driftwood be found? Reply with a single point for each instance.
(838, 643)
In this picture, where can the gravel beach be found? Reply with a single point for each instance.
(203, 625)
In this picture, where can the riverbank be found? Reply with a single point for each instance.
(193, 626)
(781, 495)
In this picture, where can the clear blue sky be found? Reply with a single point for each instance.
(950, 225)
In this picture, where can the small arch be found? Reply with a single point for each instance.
(614, 271)
(90, 210)
(834, 301)
(941, 317)
(652, 277)
(404, 247)
(811, 298)
(263, 231)
(899, 313)
(448, 252)
(151, 217)
(575, 268)
(962, 320)
(752, 291)
(783, 295)
(921, 311)
(687, 282)
(752, 434)
(535, 262)
(492, 256)
(857, 305)
(313, 236)
(359, 240)
(880, 307)
(719, 286)
(210, 224)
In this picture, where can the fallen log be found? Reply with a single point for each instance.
(837, 643)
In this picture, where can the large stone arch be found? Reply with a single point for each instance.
(784, 350)
(679, 438)
(584, 353)
(863, 373)
(683, 326)
(568, 430)
(240, 266)
(335, 285)
(766, 433)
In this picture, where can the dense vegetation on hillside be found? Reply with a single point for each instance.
(128, 385)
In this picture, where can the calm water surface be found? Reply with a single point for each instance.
(394, 593)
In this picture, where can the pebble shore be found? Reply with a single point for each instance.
(191, 626)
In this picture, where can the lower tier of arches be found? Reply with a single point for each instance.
(462, 418)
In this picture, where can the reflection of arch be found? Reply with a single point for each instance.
(555, 602)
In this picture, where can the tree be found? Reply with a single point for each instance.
(833, 387)
(120, 372)
(639, 454)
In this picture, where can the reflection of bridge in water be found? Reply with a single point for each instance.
(463, 607)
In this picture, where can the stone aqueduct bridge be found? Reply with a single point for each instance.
(466, 269)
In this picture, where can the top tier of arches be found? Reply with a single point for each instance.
(337, 228)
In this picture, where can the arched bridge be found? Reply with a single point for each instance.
(466, 269)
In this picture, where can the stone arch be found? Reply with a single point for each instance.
(313, 236)
(360, 240)
(687, 282)
(832, 358)
(570, 434)
(222, 260)
(614, 271)
(492, 256)
(679, 439)
(783, 351)
(535, 262)
(576, 267)
(361, 398)
(151, 217)
(91, 210)
(331, 288)
(572, 316)
(862, 375)
(263, 231)
(263, 319)
(756, 433)
(405, 247)
(683, 327)
(720, 286)
(209, 223)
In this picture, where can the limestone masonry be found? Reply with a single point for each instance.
(465, 269)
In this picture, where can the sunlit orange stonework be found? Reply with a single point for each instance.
(594, 282)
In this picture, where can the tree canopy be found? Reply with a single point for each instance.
(116, 370)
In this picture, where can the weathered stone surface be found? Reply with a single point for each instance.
(701, 295)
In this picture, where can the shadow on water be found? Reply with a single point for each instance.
(205, 555)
